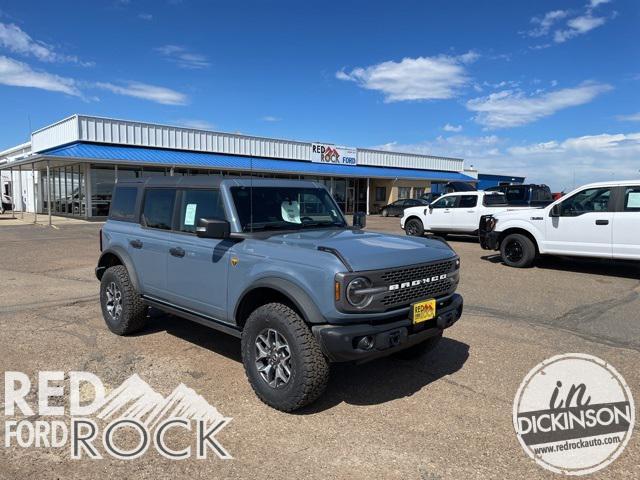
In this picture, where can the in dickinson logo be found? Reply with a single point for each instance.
(123, 424)
(573, 414)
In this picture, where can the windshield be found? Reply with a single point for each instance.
(277, 208)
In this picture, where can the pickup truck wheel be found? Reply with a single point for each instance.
(518, 251)
(282, 359)
(384, 212)
(122, 308)
(414, 227)
(420, 349)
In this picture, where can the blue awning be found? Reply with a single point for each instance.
(178, 158)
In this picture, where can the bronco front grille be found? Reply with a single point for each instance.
(422, 271)
(406, 295)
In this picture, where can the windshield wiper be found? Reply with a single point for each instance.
(271, 226)
(326, 223)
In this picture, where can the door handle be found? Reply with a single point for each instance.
(602, 222)
(135, 243)
(471, 211)
(177, 252)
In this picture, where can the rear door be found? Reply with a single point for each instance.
(465, 215)
(440, 216)
(585, 224)
(149, 242)
(197, 267)
(626, 224)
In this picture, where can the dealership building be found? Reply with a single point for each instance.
(70, 167)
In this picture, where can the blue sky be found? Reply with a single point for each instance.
(545, 89)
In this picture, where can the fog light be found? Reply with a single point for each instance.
(366, 343)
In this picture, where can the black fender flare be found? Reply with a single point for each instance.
(125, 260)
(301, 299)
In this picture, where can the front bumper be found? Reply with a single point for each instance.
(340, 343)
(489, 240)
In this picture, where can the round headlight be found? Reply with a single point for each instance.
(355, 298)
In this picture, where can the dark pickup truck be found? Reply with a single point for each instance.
(528, 195)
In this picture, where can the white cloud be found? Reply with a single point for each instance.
(182, 57)
(512, 108)
(270, 118)
(19, 74)
(578, 26)
(596, 3)
(195, 124)
(422, 78)
(577, 23)
(153, 93)
(16, 40)
(589, 158)
(543, 24)
(452, 128)
(634, 117)
(145, 16)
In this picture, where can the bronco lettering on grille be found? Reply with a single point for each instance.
(415, 283)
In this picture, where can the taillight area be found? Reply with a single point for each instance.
(100, 234)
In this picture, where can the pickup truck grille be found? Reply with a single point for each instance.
(406, 295)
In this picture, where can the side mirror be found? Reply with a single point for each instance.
(555, 210)
(213, 228)
(430, 208)
(359, 220)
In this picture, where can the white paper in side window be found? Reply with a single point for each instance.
(633, 200)
(290, 211)
(190, 214)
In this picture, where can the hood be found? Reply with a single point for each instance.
(369, 250)
(518, 212)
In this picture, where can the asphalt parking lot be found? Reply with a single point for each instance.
(445, 416)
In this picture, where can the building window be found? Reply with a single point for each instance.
(381, 194)
(102, 181)
(404, 192)
(418, 192)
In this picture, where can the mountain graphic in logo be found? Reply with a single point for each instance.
(135, 399)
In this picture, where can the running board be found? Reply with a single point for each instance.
(193, 316)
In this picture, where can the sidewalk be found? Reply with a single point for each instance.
(42, 219)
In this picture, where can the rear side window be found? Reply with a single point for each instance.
(468, 201)
(123, 205)
(196, 204)
(632, 199)
(158, 208)
(494, 200)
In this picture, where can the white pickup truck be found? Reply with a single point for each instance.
(457, 212)
(597, 220)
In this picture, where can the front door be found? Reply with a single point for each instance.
(585, 225)
(626, 228)
(440, 216)
(197, 267)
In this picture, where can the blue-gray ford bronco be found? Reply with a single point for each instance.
(275, 263)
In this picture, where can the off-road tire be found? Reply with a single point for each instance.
(134, 312)
(414, 225)
(528, 251)
(385, 212)
(309, 367)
